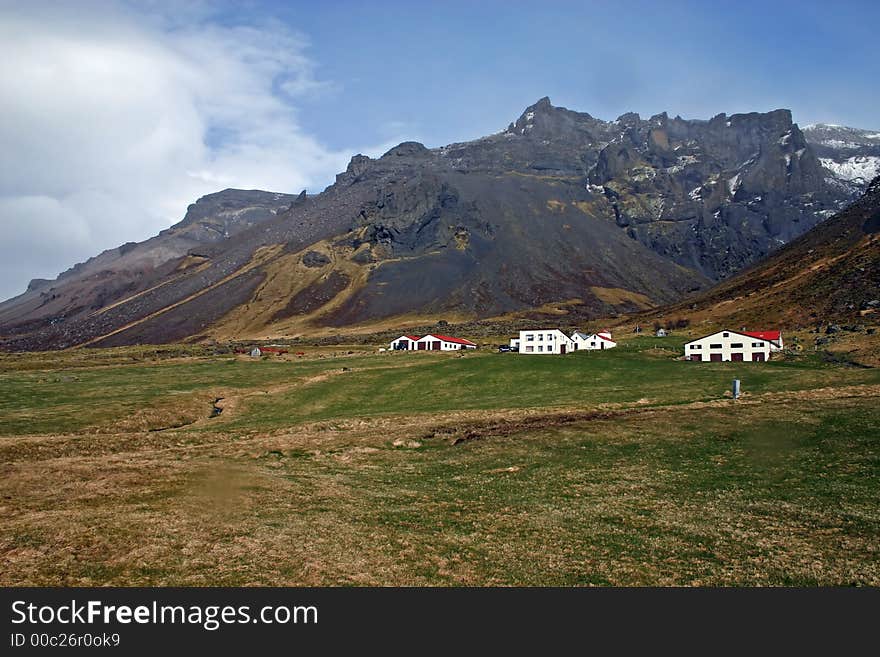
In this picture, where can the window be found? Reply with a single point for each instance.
(592, 344)
(530, 348)
(725, 335)
(540, 336)
(530, 338)
(715, 346)
(549, 336)
(540, 347)
(696, 346)
(736, 345)
(757, 344)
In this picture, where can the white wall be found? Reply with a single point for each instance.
(411, 344)
(545, 341)
(444, 345)
(593, 342)
(723, 343)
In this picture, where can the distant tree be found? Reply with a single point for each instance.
(682, 322)
(657, 326)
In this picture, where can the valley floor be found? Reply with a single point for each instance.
(352, 467)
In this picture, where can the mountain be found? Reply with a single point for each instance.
(593, 217)
(118, 273)
(831, 274)
(851, 155)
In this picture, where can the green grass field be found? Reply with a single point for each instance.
(624, 467)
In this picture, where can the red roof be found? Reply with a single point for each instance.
(447, 338)
(602, 337)
(412, 337)
(772, 336)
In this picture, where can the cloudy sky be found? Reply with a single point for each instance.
(116, 115)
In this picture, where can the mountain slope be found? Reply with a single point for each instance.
(561, 207)
(131, 268)
(830, 274)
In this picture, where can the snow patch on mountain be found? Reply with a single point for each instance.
(860, 168)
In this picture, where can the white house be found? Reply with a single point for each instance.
(404, 343)
(545, 341)
(600, 340)
(431, 343)
(727, 345)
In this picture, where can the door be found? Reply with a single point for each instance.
(435, 346)
(758, 356)
(422, 346)
(562, 349)
(715, 358)
(736, 357)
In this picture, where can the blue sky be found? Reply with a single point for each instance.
(446, 71)
(117, 114)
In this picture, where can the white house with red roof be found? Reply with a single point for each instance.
(600, 340)
(727, 345)
(431, 342)
(545, 341)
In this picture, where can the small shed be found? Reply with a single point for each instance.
(660, 333)
(256, 352)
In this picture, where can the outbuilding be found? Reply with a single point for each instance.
(405, 343)
(432, 342)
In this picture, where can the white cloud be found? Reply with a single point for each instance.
(113, 121)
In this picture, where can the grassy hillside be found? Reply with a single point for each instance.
(623, 467)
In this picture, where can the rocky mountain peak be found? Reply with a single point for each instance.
(543, 119)
(408, 149)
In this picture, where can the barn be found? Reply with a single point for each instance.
(727, 345)
(405, 343)
(431, 342)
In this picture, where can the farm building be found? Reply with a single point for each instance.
(431, 342)
(405, 343)
(545, 341)
(600, 340)
(726, 345)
